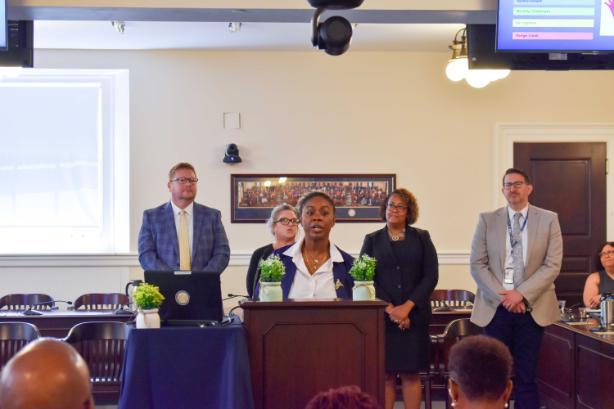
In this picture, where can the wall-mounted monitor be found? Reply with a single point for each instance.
(555, 25)
(20, 41)
(482, 55)
(3, 21)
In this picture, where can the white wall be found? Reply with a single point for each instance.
(388, 112)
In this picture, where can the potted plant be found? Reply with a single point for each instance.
(363, 272)
(148, 299)
(272, 270)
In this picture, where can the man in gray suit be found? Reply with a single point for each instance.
(516, 255)
(182, 234)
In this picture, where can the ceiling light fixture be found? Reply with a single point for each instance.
(234, 26)
(458, 66)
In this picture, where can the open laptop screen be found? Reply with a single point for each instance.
(189, 296)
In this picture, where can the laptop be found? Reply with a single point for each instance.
(191, 298)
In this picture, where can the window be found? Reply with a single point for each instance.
(64, 163)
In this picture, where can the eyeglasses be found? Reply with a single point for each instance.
(515, 185)
(398, 208)
(183, 181)
(287, 222)
(608, 253)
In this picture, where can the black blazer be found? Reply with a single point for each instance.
(396, 282)
(253, 274)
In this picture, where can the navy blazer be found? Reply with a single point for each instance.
(397, 283)
(159, 245)
(341, 275)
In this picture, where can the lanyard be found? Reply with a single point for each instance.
(509, 228)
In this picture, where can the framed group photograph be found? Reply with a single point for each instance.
(357, 197)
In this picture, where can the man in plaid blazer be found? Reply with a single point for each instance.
(160, 233)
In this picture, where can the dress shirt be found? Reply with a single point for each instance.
(190, 214)
(525, 239)
(319, 285)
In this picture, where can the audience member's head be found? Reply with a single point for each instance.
(480, 369)
(345, 397)
(46, 374)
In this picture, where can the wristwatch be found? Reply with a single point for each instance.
(527, 305)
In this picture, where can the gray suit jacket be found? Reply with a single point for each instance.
(544, 256)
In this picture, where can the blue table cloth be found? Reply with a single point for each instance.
(185, 368)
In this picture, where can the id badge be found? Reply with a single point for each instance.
(509, 275)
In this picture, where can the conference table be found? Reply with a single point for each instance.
(576, 367)
(57, 323)
(187, 367)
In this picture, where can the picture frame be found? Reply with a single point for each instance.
(357, 197)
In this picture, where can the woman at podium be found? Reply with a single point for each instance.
(315, 267)
(283, 224)
(405, 276)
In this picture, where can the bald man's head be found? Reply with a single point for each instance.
(46, 374)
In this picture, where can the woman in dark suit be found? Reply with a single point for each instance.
(283, 224)
(405, 276)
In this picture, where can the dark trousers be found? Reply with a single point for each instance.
(523, 337)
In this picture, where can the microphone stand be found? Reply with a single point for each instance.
(30, 311)
(255, 284)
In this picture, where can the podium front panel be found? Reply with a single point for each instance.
(300, 348)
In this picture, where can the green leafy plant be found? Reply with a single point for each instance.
(363, 268)
(272, 270)
(147, 296)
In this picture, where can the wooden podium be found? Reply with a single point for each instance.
(299, 348)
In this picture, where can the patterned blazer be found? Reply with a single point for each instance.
(159, 245)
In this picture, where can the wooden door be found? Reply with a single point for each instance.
(570, 179)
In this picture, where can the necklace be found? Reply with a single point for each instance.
(313, 263)
(396, 237)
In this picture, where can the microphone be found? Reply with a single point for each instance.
(230, 296)
(30, 311)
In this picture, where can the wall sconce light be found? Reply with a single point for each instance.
(335, 33)
(232, 154)
(458, 65)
